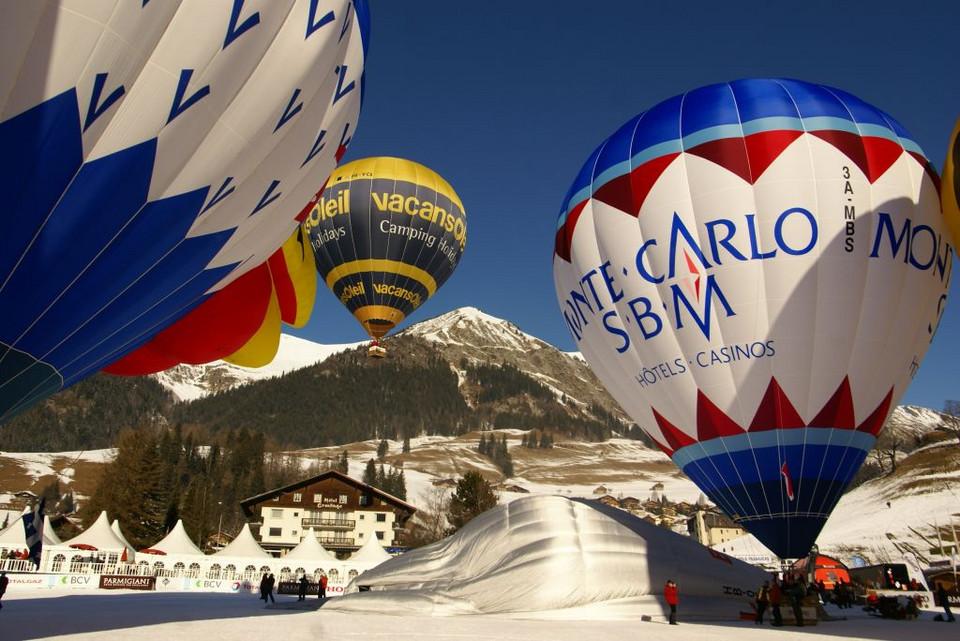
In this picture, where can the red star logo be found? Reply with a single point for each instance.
(691, 282)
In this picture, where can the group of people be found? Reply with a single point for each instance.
(842, 593)
(267, 581)
(304, 583)
(772, 594)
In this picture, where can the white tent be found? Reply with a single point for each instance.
(101, 537)
(49, 534)
(546, 553)
(14, 538)
(115, 526)
(178, 543)
(370, 554)
(243, 546)
(310, 549)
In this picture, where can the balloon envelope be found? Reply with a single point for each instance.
(154, 153)
(386, 233)
(950, 190)
(755, 270)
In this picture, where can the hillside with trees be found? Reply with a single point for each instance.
(88, 415)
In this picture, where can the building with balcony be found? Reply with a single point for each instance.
(343, 512)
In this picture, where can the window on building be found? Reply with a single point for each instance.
(297, 497)
(359, 535)
(275, 531)
(379, 535)
(343, 499)
(318, 498)
(362, 516)
(381, 517)
(276, 514)
(364, 499)
(276, 498)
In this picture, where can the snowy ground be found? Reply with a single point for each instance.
(157, 616)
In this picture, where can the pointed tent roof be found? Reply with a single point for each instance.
(177, 541)
(49, 534)
(101, 536)
(310, 549)
(13, 535)
(371, 552)
(115, 527)
(244, 546)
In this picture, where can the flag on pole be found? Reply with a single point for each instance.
(786, 479)
(33, 531)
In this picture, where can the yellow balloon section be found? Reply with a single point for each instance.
(386, 234)
(950, 187)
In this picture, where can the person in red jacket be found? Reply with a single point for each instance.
(670, 594)
(775, 602)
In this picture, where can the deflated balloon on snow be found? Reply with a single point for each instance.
(755, 270)
(386, 234)
(155, 157)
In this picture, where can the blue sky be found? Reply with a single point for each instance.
(507, 99)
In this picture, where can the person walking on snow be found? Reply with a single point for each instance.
(302, 595)
(271, 581)
(264, 581)
(322, 587)
(672, 599)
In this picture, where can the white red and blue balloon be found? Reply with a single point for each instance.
(755, 271)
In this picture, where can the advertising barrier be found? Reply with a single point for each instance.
(124, 582)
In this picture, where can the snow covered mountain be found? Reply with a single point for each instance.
(190, 382)
(465, 333)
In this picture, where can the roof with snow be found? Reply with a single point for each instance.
(244, 546)
(249, 504)
(178, 542)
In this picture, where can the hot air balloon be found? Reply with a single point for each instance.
(386, 233)
(755, 271)
(155, 156)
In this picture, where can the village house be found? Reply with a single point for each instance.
(713, 528)
(342, 511)
(609, 500)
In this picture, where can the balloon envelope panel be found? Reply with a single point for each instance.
(153, 153)
(755, 271)
(386, 233)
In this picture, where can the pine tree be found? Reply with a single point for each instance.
(474, 496)
(401, 487)
(382, 448)
(343, 463)
(406, 445)
(370, 473)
